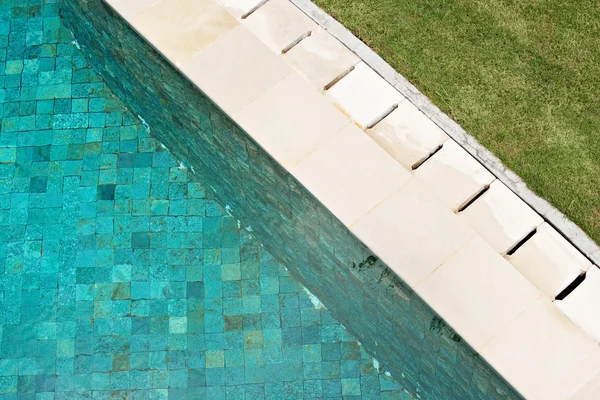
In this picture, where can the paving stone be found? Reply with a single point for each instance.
(279, 24)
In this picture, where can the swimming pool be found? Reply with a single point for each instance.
(120, 277)
(125, 277)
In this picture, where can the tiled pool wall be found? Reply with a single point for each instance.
(392, 323)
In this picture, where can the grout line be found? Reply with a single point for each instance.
(381, 116)
(339, 78)
(570, 287)
(353, 224)
(256, 7)
(576, 392)
(472, 199)
(156, 2)
(569, 230)
(427, 157)
(512, 250)
(448, 258)
(506, 326)
(233, 114)
(325, 143)
(295, 42)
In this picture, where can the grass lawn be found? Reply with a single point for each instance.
(523, 77)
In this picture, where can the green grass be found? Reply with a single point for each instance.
(523, 77)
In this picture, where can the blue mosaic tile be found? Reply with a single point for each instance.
(119, 278)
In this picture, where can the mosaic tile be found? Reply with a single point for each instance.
(119, 277)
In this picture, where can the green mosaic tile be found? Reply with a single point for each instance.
(119, 278)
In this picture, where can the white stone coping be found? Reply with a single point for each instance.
(400, 175)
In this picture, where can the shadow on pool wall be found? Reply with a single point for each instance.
(389, 319)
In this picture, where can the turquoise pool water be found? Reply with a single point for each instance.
(119, 278)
